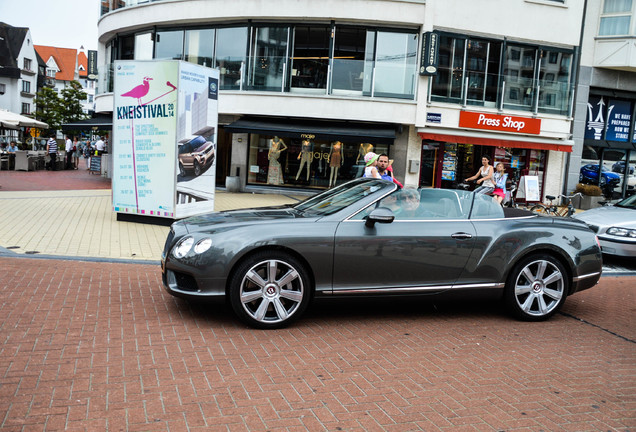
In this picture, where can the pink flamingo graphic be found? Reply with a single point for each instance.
(139, 91)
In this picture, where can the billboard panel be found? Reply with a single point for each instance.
(197, 125)
(164, 138)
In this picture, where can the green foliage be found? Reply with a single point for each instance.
(72, 98)
(47, 105)
(65, 108)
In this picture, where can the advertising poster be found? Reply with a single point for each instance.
(197, 118)
(619, 120)
(164, 138)
(144, 137)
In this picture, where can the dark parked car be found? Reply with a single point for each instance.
(619, 167)
(589, 174)
(367, 237)
(196, 155)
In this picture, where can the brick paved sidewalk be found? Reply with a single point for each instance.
(95, 346)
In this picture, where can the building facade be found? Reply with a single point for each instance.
(435, 84)
(18, 70)
(605, 141)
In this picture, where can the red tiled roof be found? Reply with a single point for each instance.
(64, 57)
(82, 60)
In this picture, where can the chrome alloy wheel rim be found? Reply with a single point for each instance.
(271, 291)
(539, 288)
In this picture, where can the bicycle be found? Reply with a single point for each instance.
(552, 209)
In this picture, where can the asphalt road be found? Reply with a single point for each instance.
(102, 346)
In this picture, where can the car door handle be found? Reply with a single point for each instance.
(461, 236)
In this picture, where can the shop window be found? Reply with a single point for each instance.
(348, 61)
(305, 163)
(199, 47)
(169, 45)
(126, 48)
(231, 45)
(310, 59)
(143, 46)
(395, 67)
(475, 80)
(268, 61)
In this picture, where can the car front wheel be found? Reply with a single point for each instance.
(197, 168)
(536, 288)
(182, 171)
(270, 290)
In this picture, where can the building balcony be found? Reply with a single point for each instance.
(617, 53)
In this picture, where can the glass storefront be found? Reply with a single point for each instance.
(306, 162)
(445, 165)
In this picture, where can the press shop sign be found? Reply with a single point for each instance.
(504, 123)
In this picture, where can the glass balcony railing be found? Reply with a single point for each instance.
(305, 76)
(505, 92)
(111, 5)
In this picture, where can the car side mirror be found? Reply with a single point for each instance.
(379, 215)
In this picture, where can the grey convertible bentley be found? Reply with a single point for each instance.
(368, 237)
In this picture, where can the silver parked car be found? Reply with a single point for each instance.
(368, 237)
(615, 226)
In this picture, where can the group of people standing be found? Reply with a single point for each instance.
(75, 150)
(379, 166)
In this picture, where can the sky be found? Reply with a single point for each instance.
(58, 23)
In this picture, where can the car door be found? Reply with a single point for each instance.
(404, 255)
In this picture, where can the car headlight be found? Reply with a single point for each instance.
(622, 232)
(202, 245)
(183, 247)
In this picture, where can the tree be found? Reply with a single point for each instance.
(47, 108)
(72, 97)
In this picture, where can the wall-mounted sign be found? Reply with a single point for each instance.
(91, 67)
(430, 53)
(595, 122)
(619, 120)
(505, 123)
(433, 117)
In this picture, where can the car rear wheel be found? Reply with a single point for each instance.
(197, 168)
(536, 288)
(270, 290)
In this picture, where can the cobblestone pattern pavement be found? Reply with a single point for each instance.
(101, 346)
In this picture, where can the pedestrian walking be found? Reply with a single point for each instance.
(68, 148)
(51, 149)
(77, 152)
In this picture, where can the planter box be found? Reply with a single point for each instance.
(587, 202)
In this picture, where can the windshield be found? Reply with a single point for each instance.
(340, 197)
(629, 203)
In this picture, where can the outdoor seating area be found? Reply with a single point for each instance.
(30, 160)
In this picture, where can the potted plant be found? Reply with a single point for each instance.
(592, 195)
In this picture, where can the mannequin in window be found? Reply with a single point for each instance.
(306, 157)
(335, 160)
(274, 172)
(364, 149)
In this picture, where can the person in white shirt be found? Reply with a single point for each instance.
(99, 146)
(69, 152)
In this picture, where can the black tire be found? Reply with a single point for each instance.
(197, 168)
(182, 171)
(270, 290)
(541, 209)
(536, 288)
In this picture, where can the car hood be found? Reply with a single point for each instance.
(235, 218)
(609, 216)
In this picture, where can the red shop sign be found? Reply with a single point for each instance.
(506, 123)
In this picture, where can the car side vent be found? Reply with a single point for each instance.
(593, 228)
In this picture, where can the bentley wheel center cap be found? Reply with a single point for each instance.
(271, 290)
(537, 287)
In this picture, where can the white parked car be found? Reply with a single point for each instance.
(615, 226)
